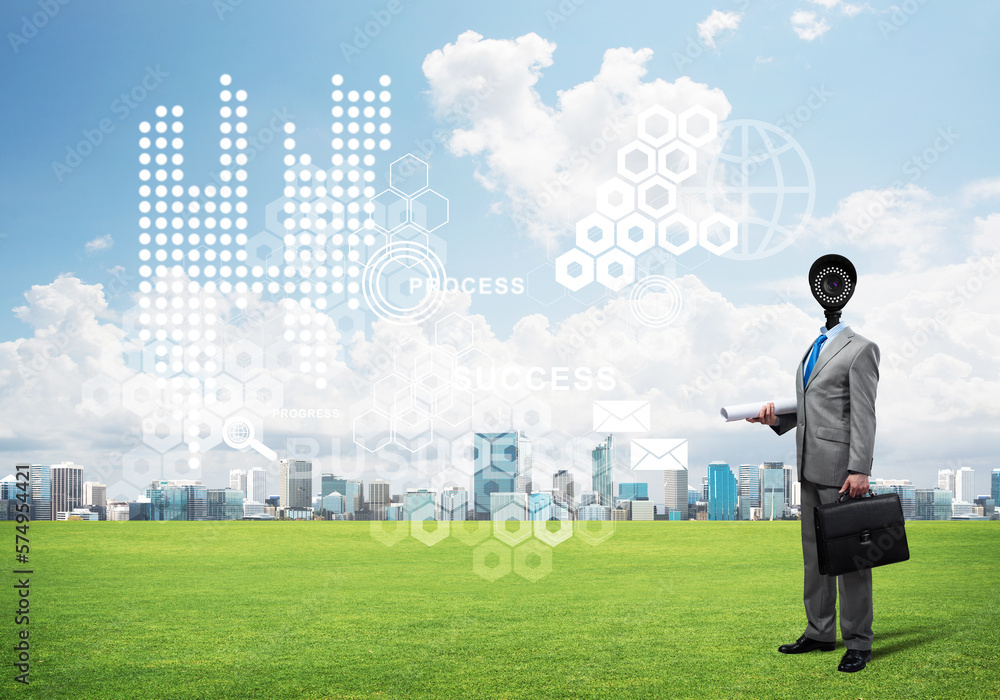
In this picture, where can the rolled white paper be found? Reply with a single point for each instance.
(752, 410)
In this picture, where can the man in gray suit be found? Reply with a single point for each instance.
(834, 425)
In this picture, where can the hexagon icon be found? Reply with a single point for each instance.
(141, 395)
(244, 358)
(408, 175)
(636, 234)
(677, 161)
(574, 270)
(510, 524)
(471, 532)
(636, 161)
(429, 210)
(492, 415)
(594, 532)
(533, 560)
(223, 394)
(718, 227)
(160, 431)
(491, 560)
(141, 464)
(419, 530)
(457, 409)
(677, 233)
(100, 395)
(657, 197)
(657, 125)
(389, 532)
(698, 125)
(553, 537)
(263, 394)
(389, 210)
(542, 285)
(372, 430)
(412, 429)
(533, 414)
(407, 356)
(386, 392)
(454, 332)
(206, 431)
(595, 234)
(408, 234)
(615, 198)
(616, 270)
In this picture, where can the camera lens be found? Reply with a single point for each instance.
(833, 283)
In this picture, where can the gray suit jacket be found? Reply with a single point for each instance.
(835, 415)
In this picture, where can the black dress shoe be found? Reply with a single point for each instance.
(854, 660)
(804, 644)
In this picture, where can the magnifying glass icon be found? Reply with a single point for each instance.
(238, 434)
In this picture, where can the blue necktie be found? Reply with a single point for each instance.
(813, 356)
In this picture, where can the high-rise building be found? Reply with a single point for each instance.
(562, 484)
(589, 498)
(379, 498)
(420, 504)
(495, 463)
(772, 490)
(906, 491)
(749, 487)
(256, 485)
(454, 503)
(166, 502)
(632, 491)
(197, 499)
(326, 485)
(995, 486)
(789, 480)
(704, 488)
(642, 510)
(524, 480)
(946, 480)
(594, 512)
(238, 480)
(509, 505)
(722, 492)
(351, 489)
(95, 494)
(67, 487)
(224, 504)
(295, 479)
(675, 491)
(334, 503)
(603, 463)
(965, 486)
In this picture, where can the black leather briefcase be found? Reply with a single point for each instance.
(860, 533)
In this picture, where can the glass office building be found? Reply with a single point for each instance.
(749, 490)
(722, 492)
(454, 504)
(772, 490)
(632, 491)
(495, 462)
(295, 480)
(40, 482)
(602, 460)
(223, 504)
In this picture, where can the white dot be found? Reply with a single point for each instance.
(177, 111)
(225, 79)
(337, 79)
(384, 81)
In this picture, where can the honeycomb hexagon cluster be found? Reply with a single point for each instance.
(638, 209)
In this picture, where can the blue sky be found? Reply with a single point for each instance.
(893, 80)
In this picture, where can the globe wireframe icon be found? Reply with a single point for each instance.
(239, 433)
(762, 178)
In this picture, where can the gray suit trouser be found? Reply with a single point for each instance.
(820, 591)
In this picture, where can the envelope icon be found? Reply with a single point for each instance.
(621, 416)
(659, 453)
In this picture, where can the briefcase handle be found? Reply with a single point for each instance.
(846, 493)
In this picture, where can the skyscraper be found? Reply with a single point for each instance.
(965, 486)
(40, 479)
(722, 489)
(675, 490)
(946, 480)
(495, 463)
(524, 479)
(379, 499)
(256, 485)
(94, 494)
(454, 503)
(238, 480)
(351, 489)
(602, 459)
(995, 486)
(326, 485)
(295, 479)
(772, 490)
(632, 491)
(67, 487)
(906, 491)
(562, 484)
(749, 495)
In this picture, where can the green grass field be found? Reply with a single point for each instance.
(322, 610)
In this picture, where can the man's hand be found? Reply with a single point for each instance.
(766, 415)
(857, 484)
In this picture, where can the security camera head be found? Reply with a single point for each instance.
(832, 279)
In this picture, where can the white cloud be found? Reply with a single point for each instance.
(100, 243)
(716, 23)
(981, 190)
(546, 160)
(808, 26)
